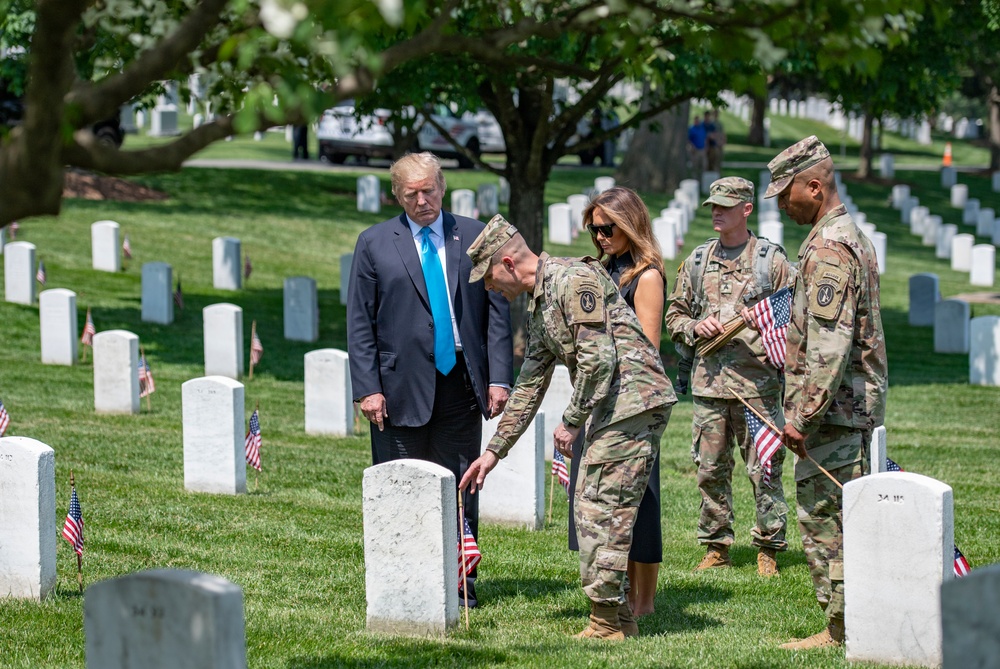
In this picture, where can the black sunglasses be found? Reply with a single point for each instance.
(606, 230)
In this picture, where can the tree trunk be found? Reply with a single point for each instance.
(656, 159)
(994, 100)
(865, 163)
(756, 133)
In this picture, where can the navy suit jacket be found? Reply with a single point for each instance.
(390, 329)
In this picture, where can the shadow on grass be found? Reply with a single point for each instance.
(397, 652)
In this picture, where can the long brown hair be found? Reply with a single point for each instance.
(623, 207)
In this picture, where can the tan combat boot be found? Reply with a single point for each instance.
(626, 620)
(833, 635)
(604, 624)
(717, 556)
(767, 563)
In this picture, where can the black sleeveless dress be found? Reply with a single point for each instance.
(647, 538)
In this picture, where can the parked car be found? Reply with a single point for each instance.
(490, 135)
(341, 134)
(109, 131)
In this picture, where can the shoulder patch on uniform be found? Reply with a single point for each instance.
(829, 286)
(587, 304)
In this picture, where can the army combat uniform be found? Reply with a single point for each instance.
(836, 378)
(576, 316)
(836, 374)
(726, 286)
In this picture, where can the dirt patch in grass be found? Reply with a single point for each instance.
(90, 186)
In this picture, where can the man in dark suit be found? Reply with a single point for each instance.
(430, 353)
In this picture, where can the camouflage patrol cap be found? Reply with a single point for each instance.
(497, 233)
(796, 158)
(729, 192)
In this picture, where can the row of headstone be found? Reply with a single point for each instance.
(960, 248)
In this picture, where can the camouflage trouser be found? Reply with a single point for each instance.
(614, 469)
(717, 425)
(842, 451)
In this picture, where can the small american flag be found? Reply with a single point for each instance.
(256, 349)
(560, 470)
(88, 330)
(127, 249)
(40, 274)
(252, 443)
(960, 565)
(179, 296)
(4, 419)
(73, 527)
(472, 554)
(765, 442)
(13, 227)
(247, 267)
(772, 316)
(146, 384)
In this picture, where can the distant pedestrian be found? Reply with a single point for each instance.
(697, 139)
(300, 142)
(715, 140)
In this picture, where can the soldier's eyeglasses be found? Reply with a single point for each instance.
(606, 230)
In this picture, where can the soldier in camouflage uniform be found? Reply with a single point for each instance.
(620, 391)
(835, 369)
(713, 285)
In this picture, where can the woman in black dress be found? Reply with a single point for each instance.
(619, 225)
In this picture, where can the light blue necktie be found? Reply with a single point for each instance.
(444, 338)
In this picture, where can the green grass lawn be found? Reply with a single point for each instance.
(295, 544)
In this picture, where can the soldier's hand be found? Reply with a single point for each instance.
(374, 408)
(498, 400)
(708, 327)
(794, 440)
(748, 318)
(563, 437)
(477, 471)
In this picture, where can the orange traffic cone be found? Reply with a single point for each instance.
(946, 161)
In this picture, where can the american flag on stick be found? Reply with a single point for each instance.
(772, 316)
(4, 419)
(472, 554)
(178, 295)
(87, 339)
(13, 227)
(959, 565)
(146, 383)
(127, 249)
(252, 442)
(73, 527)
(765, 442)
(559, 469)
(40, 274)
(256, 347)
(247, 267)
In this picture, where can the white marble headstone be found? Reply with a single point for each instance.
(906, 208)
(602, 184)
(369, 198)
(984, 351)
(951, 326)
(995, 182)
(328, 394)
(893, 613)
(157, 293)
(487, 201)
(692, 187)
(560, 224)
(504, 187)
(984, 222)
(948, 177)
(887, 166)
(665, 231)
(916, 220)
(946, 233)
(514, 493)
(57, 321)
(970, 213)
(773, 231)
(223, 337)
(707, 178)
(116, 372)
(932, 224)
(165, 619)
(924, 294)
(346, 260)
(301, 309)
(969, 620)
(227, 263)
(983, 265)
(411, 548)
(879, 241)
(213, 426)
(27, 518)
(959, 196)
(876, 450)
(577, 203)
(19, 273)
(463, 202)
(961, 252)
(900, 192)
(105, 247)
